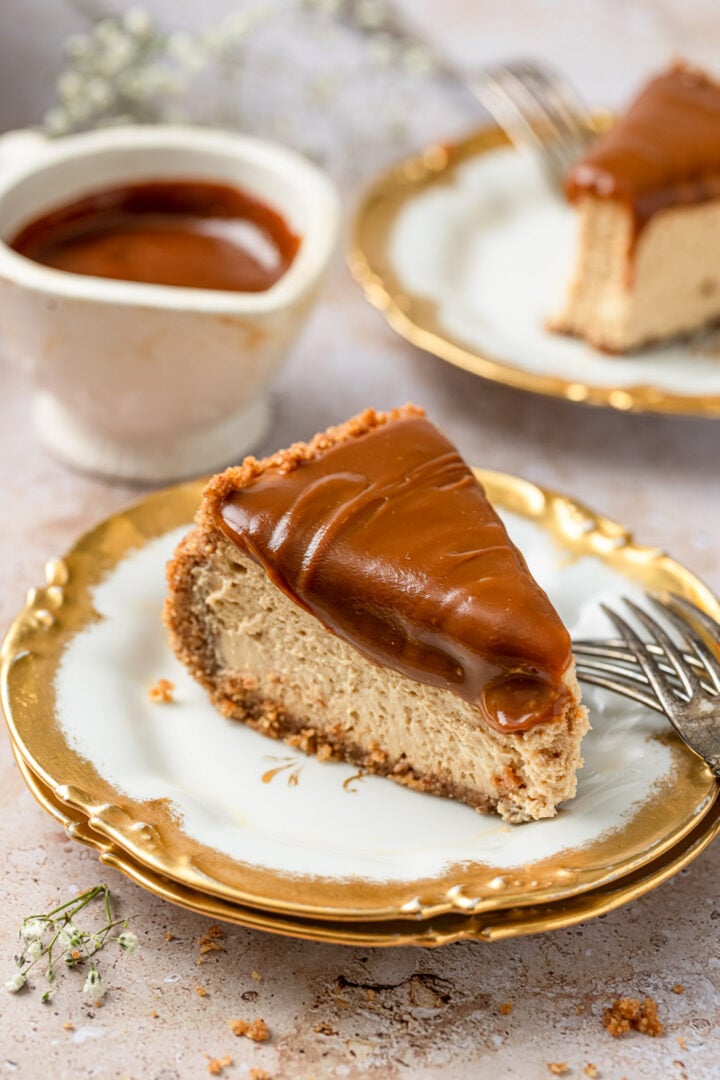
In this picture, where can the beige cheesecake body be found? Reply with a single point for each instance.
(267, 662)
(623, 293)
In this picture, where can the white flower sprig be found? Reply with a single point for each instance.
(129, 69)
(57, 938)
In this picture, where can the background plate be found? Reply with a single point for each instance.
(467, 254)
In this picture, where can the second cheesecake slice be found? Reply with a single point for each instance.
(358, 597)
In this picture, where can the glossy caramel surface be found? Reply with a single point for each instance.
(187, 233)
(389, 540)
(664, 151)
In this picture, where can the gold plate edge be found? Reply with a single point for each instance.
(604, 538)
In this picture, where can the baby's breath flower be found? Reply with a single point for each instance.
(32, 929)
(128, 941)
(70, 936)
(418, 60)
(137, 22)
(116, 55)
(107, 31)
(16, 983)
(94, 986)
(381, 50)
(186, 50)
(325, 7)
(35, 950)
(56, 121)
(99, 92)
(77, 46)
(70, 84)
(370, 14)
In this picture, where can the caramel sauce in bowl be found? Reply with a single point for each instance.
(153, 278)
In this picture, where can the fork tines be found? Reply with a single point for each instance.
(537, 108)
(683, 682)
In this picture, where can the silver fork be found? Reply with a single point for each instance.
(683, 682)
(537, 108)
(539, 111)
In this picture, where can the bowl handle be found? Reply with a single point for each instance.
(19, 148)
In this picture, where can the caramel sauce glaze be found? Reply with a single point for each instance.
(187, 233)
(664, 152)
(389, 540)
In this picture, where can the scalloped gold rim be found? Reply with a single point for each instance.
(441, 931)
(149, 833)
(415, 319)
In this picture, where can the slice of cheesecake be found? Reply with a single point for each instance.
(358, 597)
(647, 194)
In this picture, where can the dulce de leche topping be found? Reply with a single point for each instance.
(389, 540)
(665, 150)
(188, 233)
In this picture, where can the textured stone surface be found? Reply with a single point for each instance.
(393, 1013)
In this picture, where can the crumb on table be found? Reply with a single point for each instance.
(257, 1030)
(626, 1013)
(506, 1008)
(161, 692)
(591, 1071)
(201, 991)
(211, 941)
(680, 1040)
(678, 988)
(557, 1068)
(324, 1029)
(259, 1074)
(256, 976)
(216, 1065)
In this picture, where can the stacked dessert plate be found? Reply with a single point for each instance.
(215, 817)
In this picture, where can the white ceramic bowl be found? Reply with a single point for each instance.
(153, 382)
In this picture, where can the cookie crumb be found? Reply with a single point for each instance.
(154, 1014)
(506, 1008)
(678, 988)
(591, 1071)
(169, 936)
(626, 1013)
(201, 991)
(216, 1065)
(256, 976)
(210, 941)
(69, 1026)
(259, 1074)
(557, 1068)
(324, 1029)
(257, 1030)
(161, 692)
(681, 1042)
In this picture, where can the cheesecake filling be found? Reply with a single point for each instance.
(664, 152)
(389, 540)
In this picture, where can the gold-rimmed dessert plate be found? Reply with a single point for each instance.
(467, 253)
(221, 810)
(440, 930)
